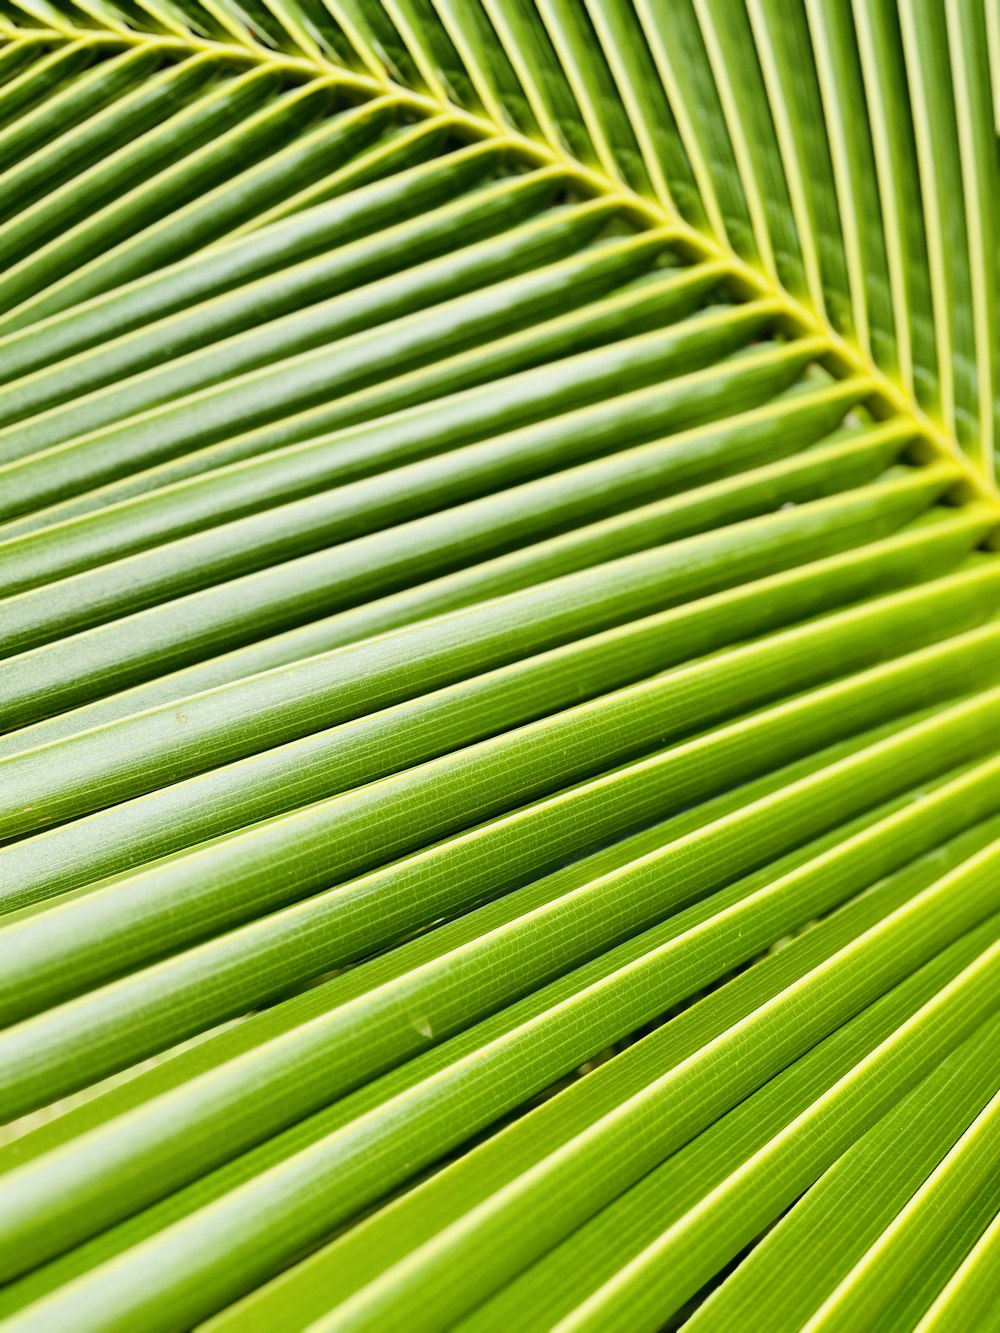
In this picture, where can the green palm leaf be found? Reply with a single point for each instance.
(499, 664)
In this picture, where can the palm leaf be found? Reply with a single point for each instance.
(500, 664)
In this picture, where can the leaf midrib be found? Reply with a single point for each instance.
(844, 359)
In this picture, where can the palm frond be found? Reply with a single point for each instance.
(499, 664)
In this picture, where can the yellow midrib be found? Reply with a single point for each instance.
(845, 357)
